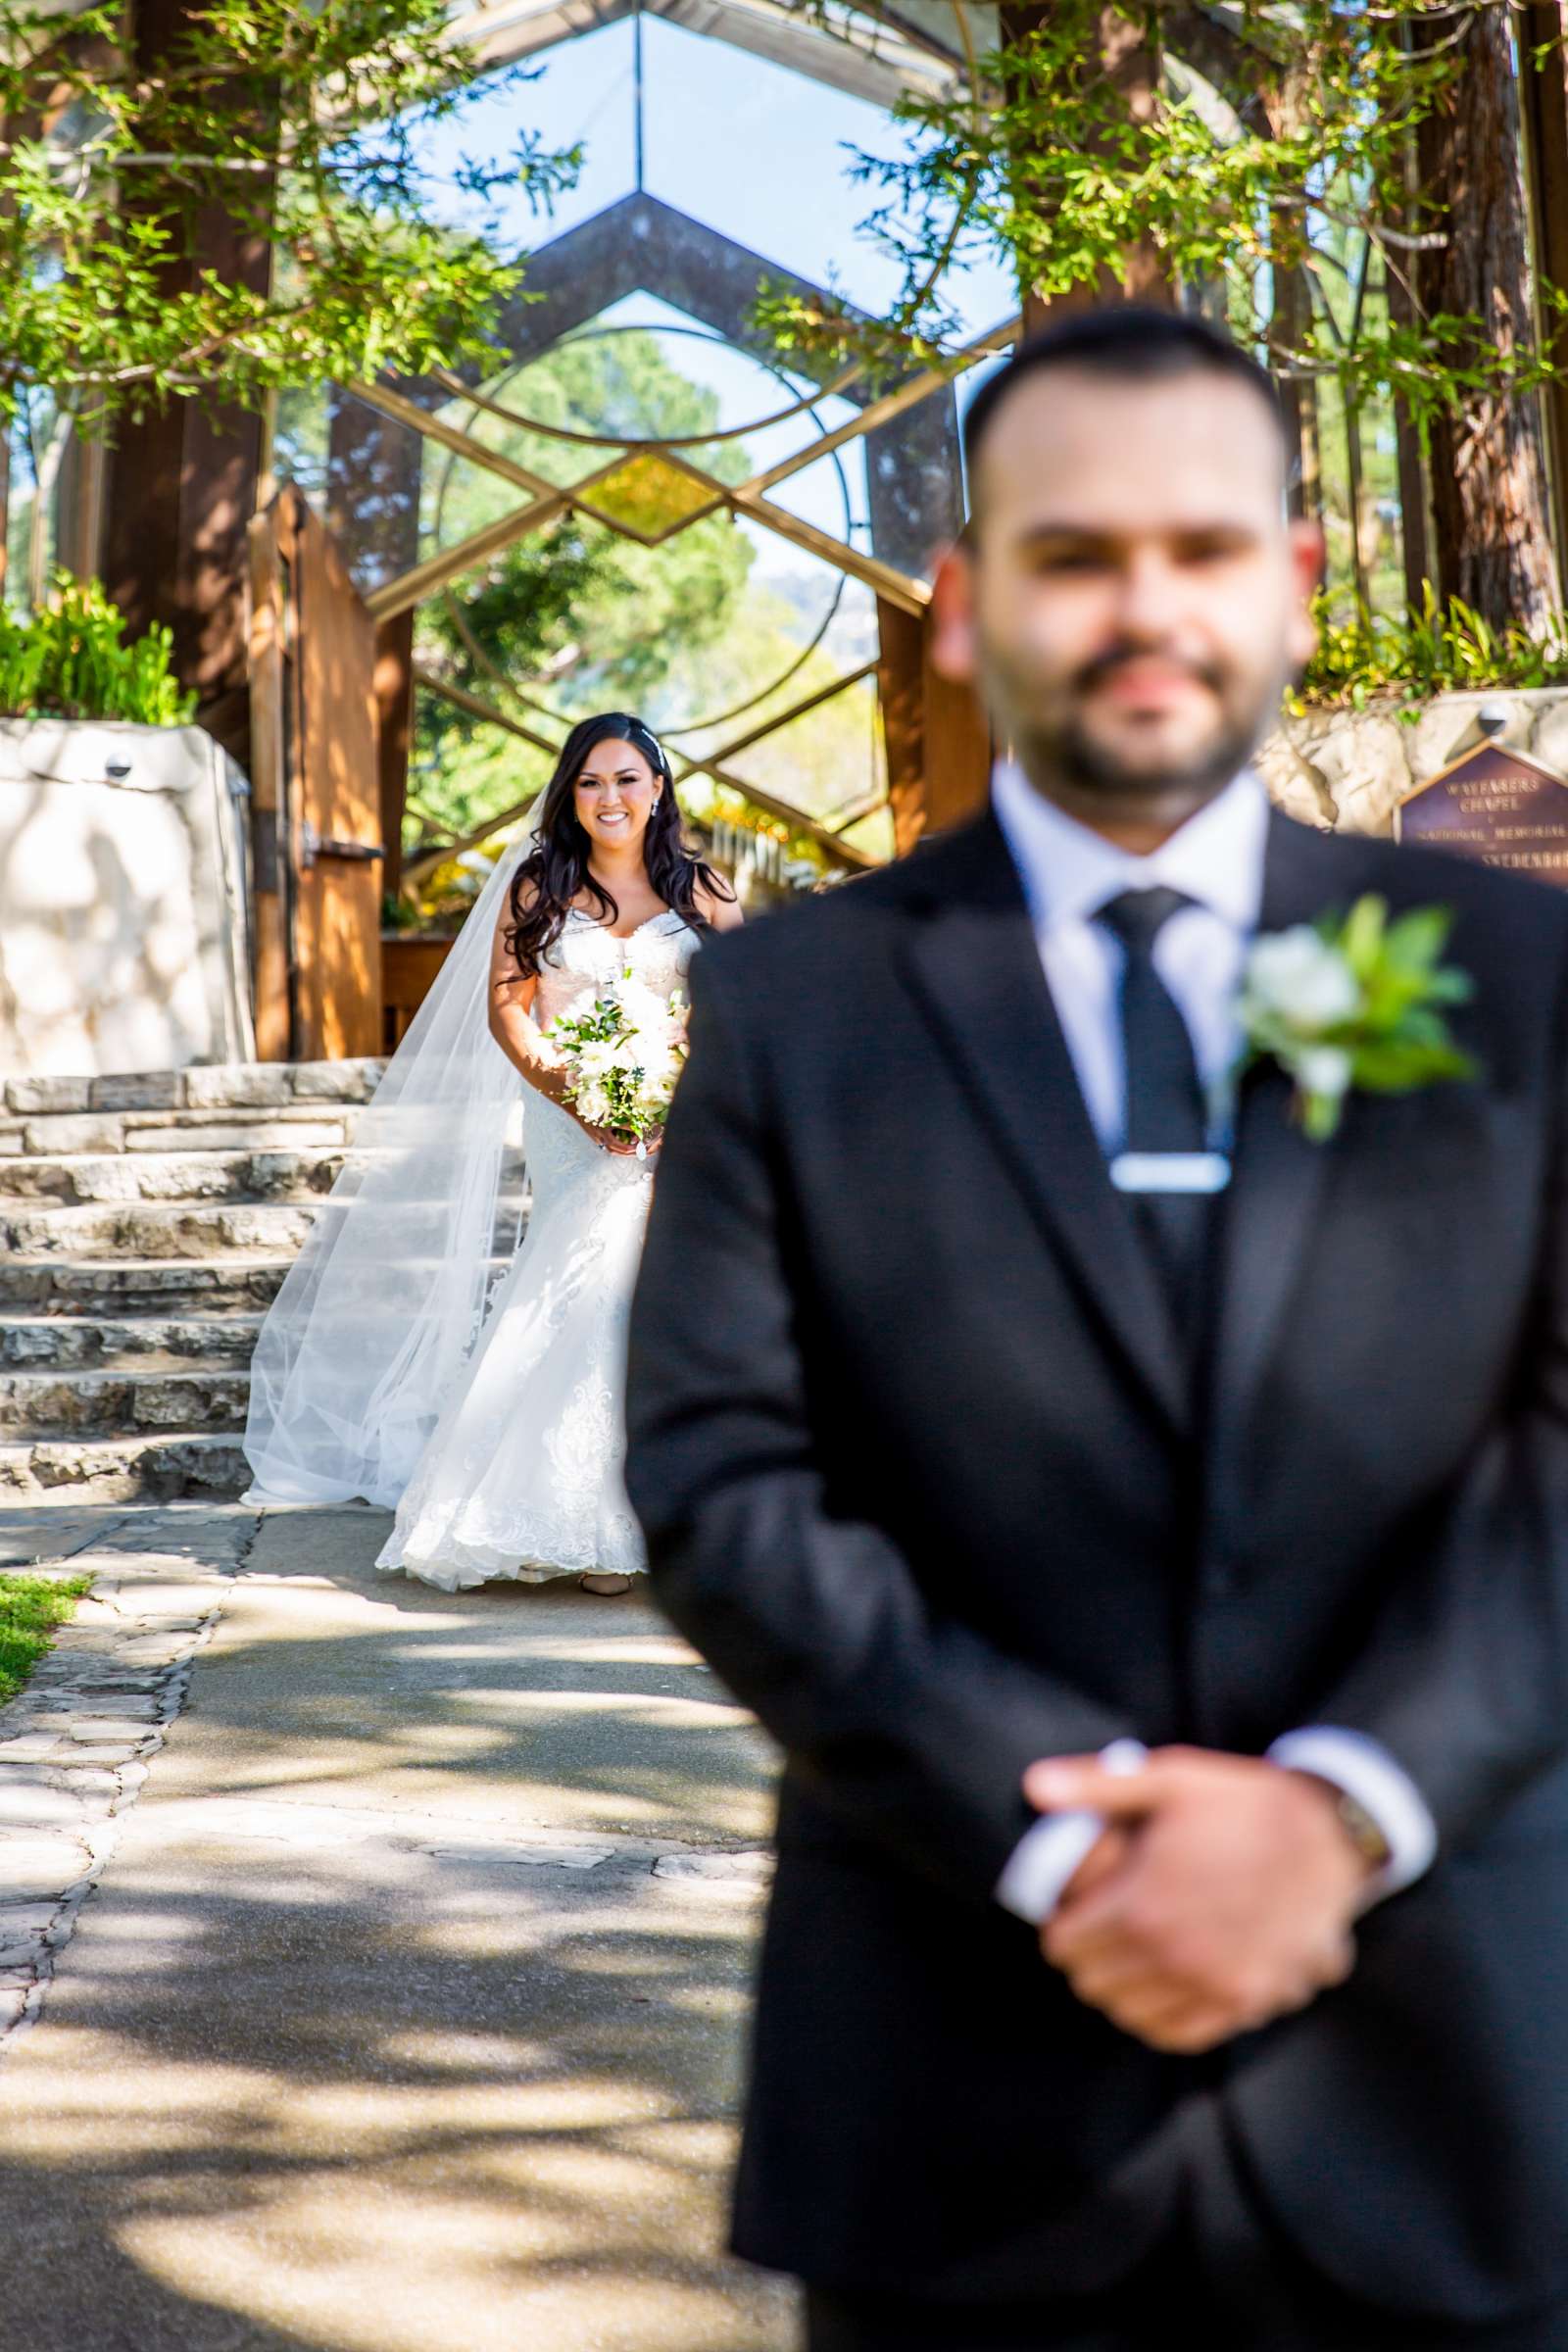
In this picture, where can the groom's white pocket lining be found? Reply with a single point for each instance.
(1170, 1171)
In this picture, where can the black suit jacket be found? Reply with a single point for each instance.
(922, 1476)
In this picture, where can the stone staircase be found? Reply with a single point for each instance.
(146, 1224)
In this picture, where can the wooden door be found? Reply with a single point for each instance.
(317, 794)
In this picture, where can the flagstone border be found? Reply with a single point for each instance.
(76, 1742)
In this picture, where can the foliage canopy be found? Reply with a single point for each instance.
(303, 121)
(1277, 146)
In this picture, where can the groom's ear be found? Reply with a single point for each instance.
(1308, 561)
(954, 647)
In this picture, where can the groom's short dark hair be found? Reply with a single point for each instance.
(1129, 340)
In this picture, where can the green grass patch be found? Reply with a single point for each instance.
(31, 1608)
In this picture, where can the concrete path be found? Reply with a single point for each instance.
(407, 2015)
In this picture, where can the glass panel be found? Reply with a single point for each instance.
(771, 170)
(648, 497)
(301, 429)
(374, 472)
(825, 763)
(873, 835)
(30, 438)
(461, 770)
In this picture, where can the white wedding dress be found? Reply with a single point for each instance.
(521, 1475)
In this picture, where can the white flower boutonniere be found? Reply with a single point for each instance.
(1354, 1000)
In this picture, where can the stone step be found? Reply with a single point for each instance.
(293, 1175)
(105, 1404)
(163, 1468)
(143, 1343)
(230, 1086)
(129, 1287)
(295, 1127)
(146, 1228)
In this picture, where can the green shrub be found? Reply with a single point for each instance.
(68, 660)
(1445, 649)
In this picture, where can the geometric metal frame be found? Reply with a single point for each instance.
(641, 243)
(713, 764)
(549, 500)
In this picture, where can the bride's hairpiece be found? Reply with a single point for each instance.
(652, 739)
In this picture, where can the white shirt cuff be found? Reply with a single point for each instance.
(1046, 1858)
(1364, 1770)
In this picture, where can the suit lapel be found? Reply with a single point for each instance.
(974, 965)
(1277, 1175)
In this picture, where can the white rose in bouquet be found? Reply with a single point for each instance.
(624, 1055)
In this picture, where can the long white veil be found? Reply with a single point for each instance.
(382, 1309)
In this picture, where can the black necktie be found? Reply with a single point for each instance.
(1166, 1111)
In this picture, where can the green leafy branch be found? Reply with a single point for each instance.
(303, 125)
(1265, 164)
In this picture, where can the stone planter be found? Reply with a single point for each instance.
(123, 940)
(1347, 771)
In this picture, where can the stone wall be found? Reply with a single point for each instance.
(123, 931)
(1347, 771)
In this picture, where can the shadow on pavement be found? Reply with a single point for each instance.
(346, 2055)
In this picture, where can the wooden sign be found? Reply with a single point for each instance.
(1498, 806)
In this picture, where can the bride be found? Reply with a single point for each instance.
(416, 1354)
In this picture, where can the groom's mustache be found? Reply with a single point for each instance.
(1126, 654)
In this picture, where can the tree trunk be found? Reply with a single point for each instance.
(1289, 330)
(1544, 107)
(1490, 491)
(1129, 53)
(183, 476)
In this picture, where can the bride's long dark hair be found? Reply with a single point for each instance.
(555, 873)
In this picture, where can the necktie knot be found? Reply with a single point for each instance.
(1137, 917)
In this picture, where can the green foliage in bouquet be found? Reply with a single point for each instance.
(69, 660)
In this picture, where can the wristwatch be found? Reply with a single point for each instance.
(1362, 1830)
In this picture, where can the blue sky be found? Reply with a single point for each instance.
(755, 150)
(750, 147)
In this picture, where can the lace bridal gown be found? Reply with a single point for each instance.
(521, 1475)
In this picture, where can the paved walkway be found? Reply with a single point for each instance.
(407, 2016)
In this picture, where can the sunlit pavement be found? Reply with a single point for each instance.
(409, 2016)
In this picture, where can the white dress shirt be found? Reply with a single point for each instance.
(1068, 875)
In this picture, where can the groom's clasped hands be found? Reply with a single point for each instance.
(1221, 1894)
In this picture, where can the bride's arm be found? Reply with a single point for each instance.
(522, 1040)
(723, 913)
(511, 1022)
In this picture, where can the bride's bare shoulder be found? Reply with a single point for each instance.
(720, 909)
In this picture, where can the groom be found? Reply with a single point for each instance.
(1144, 1529)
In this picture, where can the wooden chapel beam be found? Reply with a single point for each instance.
(936, 735)
(394, 736)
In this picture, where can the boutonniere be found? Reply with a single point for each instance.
(1354, 1001)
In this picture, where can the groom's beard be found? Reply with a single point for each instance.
(1072, 751)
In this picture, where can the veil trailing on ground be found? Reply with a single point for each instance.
(382, 1309)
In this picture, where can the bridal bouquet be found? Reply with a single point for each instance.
(623, 1054)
